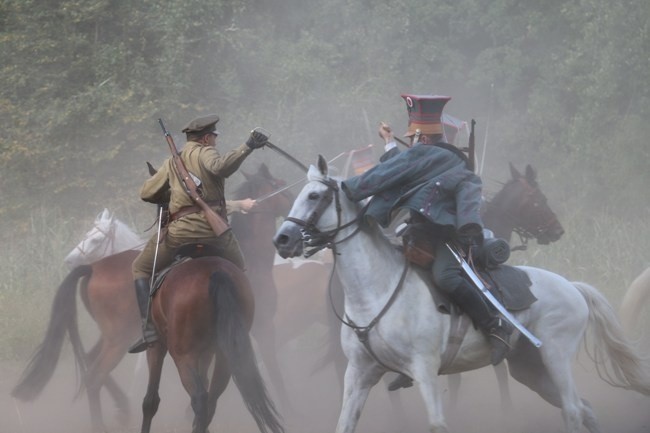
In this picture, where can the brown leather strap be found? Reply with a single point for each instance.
(187, 210)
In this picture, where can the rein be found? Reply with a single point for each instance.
(363, 331)
(319, 240)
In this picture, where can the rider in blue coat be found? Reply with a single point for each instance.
(433, 181)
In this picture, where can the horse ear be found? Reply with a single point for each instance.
(531, 174)
(152, 170)
(514, 172)
(322, 165)
(103, 216)
(264, 170)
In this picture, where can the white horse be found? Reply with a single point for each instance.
(408, 334)
(636, 298)
(108, 236)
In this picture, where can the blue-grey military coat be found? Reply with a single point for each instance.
(429, 179)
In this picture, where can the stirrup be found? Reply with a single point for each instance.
(138, 346)
(141, 345)
(402, 381)
(499, 343)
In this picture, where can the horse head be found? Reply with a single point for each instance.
(315, 218)
(108, 236)
(522, 207)
(269, 191)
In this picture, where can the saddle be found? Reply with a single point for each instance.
(183, 254)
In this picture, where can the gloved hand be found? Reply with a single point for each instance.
(470, 235)
(257, 140)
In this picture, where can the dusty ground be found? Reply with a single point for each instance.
(316, 403)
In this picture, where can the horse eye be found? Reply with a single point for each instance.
(313, 196)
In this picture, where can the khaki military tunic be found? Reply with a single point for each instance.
(210, 170)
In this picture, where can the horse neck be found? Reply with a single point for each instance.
(498, 222)
(369, 267)
(501, 212)
(124, 239)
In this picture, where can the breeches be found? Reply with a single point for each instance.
(447, 272)
(226, 245)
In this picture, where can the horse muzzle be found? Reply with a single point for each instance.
(288, 241)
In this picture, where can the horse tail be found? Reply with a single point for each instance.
(617, 361)
(634, 300)
(234, 340)
(63, 317)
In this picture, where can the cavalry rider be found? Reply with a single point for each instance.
(433, 181)
(188, 224)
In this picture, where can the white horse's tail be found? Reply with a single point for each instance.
(635, 298)
(617, 361)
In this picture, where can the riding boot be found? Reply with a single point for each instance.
(149, 334)
(472, 303)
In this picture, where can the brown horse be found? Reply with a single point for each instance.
(106, 288)
(203, 311)
(521, 207)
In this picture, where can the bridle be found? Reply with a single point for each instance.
(314, 237)
(108, 234)
(318, 240)
(521, 225)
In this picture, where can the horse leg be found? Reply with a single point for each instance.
(356, 387)
(454, 381)
(501, 372)
(102, 359)
(549, 374)
(155, 358)
(218, 384)
(192, 370)
(426, 375)
(119, 397)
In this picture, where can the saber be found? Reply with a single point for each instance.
(271, 194)
(490, 297)
(155, 255)
(302, 166)
(284, 188)
(155, 259)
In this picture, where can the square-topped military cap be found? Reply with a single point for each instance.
(425, 112)
(202, 124)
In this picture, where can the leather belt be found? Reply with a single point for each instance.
(187, 210)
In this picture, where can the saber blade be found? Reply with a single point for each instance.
(494, 301)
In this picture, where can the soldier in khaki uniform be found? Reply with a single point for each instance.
(187, 222)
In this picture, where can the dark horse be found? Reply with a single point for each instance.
(203, 311)
(521, 207)
(254, 232)
(106, 288)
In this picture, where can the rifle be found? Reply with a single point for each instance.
(218, 225)
(471, 147)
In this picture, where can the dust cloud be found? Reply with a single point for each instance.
(315, 401)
